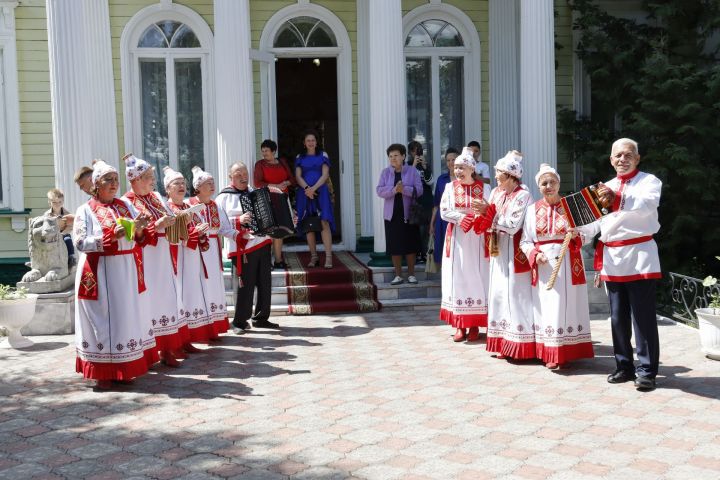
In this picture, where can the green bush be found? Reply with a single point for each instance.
(658, 83)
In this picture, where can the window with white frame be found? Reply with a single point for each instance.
(170, 98)
(435, 63)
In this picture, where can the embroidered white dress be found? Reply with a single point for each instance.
(192, 287)
(159, 305)
(465, 270)
(219, 226)
(510, 314)
(113, 340)
(561, 315)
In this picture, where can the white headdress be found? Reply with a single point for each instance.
(199, 177)
(100, 168)
(465, 158)
(545, 168)
(170, 176)
(511, 164)
(135, 167)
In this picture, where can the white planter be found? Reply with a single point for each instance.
(709, 324)
(14, 315)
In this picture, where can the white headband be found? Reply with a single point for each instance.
(465, 158)
(135, 167)
(511, 164)
(170, 176)
(100, 169)
(545, 168)
(199, 177)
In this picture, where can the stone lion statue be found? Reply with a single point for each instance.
(48, 252)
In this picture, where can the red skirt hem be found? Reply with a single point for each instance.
(463, 321)
(564, 353)
(172, 341)
(203, 333)
(516, 350)
(221, 325)
(116, 371)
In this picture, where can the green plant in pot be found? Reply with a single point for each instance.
(709, 319)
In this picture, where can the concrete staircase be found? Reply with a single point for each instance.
(425, 295)
(404, 297)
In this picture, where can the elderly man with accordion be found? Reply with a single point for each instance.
(628, 261)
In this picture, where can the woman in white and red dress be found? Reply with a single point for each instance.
(510, 315)
(464, 266)
(562, 314)
(114, 341)
(190, 266)
(219, 225)
(159, 306)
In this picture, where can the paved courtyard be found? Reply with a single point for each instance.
(379, 396)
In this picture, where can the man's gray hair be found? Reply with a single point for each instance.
(236, 165)
(625, 141)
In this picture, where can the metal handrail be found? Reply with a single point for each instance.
(689, 294)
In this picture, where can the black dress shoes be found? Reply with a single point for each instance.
(620, 376)
(265, 324)
(244, 325)
(645, 384)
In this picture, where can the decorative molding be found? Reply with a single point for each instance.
(132, 115)
(472, 96)
(504, 78)
(538, 133)
(343, 53)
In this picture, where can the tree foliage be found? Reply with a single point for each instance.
(657, 81)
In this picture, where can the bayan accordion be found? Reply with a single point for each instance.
(584, 207)
(271, 213)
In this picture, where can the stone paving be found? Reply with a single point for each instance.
(378, 396)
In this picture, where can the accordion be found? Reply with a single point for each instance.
(584, 207)
(271, 213)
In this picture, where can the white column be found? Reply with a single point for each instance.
(81, 89)
(386, 96)
(504, 78)
(234, 86)
(367, 187)
(537, 88)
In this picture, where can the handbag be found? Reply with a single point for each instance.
(311, 220)
(430, 265)
(416, 216)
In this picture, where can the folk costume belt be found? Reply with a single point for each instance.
(88, 288)
(598, 262)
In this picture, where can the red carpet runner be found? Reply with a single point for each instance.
(347, 287)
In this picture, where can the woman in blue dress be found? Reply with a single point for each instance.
(312, 171)
(438, 225)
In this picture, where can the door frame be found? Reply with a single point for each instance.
(343, 55)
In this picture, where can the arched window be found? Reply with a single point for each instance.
(304, 32)
(167, 80)
(436, 57)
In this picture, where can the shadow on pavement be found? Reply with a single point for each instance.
(44, 346)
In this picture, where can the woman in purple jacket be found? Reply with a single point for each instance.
(396, 186)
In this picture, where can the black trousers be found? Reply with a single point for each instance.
(255, 274)
(638, 298)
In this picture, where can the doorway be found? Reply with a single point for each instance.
(307, 99)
